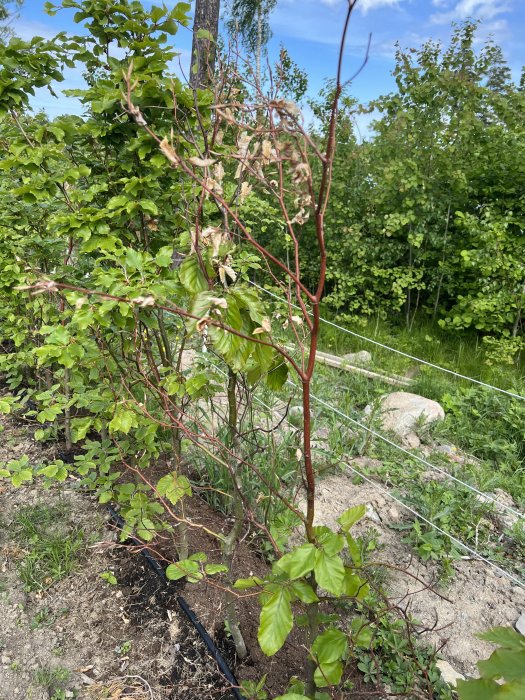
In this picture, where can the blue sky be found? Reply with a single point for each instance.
(310, 29)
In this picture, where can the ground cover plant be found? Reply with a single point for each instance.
(132, 333)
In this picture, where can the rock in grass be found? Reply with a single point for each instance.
(402, 413)
(363, 357)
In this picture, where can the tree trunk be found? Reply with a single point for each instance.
(204, 48)
(258, 56)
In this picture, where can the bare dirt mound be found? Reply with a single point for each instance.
(478, 598)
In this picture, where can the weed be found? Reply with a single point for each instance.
(123, 648)
(43, 618)
(52, 680)
(396, 661)
(52, 546)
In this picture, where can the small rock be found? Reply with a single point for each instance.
(394, 513)
(363, 357)
(449, 674)
(6, 660)
(447, 449)
(520, 624)
(372, 514)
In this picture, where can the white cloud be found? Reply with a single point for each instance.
(477, 9)
(367, 5)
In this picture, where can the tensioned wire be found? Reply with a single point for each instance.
(422, 460)
(399, 352)
(380, 488)
(484, 496)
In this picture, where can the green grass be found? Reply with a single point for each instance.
(483, 423)
(52, 545)
(52, 680)
(461, 353)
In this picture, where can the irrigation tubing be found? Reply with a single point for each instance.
(157, 567)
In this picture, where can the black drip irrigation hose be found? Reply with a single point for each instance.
(155, 565)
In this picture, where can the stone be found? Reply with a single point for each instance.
(402, 413)
(448, 673)
(372, 514)
(394, 513)
(520, 624)
(363, 357)
(505, 519)
(447, 449)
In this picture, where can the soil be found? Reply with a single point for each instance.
(131, 640)
(476, 599)
(124, 640)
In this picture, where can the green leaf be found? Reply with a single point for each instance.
(276, 622)
(185, 568)
(354, 550)
(80, 428)
(109, 577)
(149, 206)
(191, 275)
(479, 689)
(329, 572)
(329, 541)
(351, 516)
(328, 674)
(163, 257)
(298, 562)
(354, 586)
(503, 663)
(362, 632)
(174, 487)
(18, 478)
(5, 406)
(146, 529)
(277, 376)
(243, 584)
(292, 696)
(211, 569)
(134, 259)
(331, 645)
(304, 592)
(505, 637)
(122, 421)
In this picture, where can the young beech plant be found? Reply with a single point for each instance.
(326, 569)
(137, 229)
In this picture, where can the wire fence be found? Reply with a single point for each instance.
(398, 352)
(480, 494)
(472, 552)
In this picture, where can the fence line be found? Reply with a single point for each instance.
(380, 488)
(485, 497)
(390, 495)
(399, 352)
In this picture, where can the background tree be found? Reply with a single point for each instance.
(8, 12)
(204, 48)
(251, 20)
